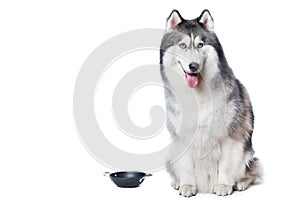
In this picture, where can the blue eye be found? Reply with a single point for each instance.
(182, 45)
(200, 45)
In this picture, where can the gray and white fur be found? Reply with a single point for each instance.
(209, 113)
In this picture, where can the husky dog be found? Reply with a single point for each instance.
(209, 113)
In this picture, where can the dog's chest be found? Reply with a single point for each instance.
(194, 110)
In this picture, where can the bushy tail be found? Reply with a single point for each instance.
(254, 170)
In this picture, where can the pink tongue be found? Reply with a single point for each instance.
(192, 80)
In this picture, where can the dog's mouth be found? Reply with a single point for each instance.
(192, 79)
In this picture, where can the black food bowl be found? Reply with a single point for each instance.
(127, 179)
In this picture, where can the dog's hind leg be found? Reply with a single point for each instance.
(253, 172)
(175, 183)
(243, 184)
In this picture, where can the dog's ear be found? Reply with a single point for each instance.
(207, 20)
(173, 20)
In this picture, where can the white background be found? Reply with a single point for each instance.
(43, 45)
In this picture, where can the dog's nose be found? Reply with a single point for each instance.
(194, 66)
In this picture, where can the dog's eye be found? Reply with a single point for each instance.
(182, 45)
(200, 45)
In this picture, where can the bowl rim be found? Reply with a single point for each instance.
(112, 175)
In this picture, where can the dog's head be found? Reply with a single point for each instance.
(189, 44)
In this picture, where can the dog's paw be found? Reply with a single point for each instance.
(187, 190)
(241, 186)
(222, 190)
(175, 184)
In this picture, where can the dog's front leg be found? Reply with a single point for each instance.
(230, 166)
(224, 186)
(184, 169)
